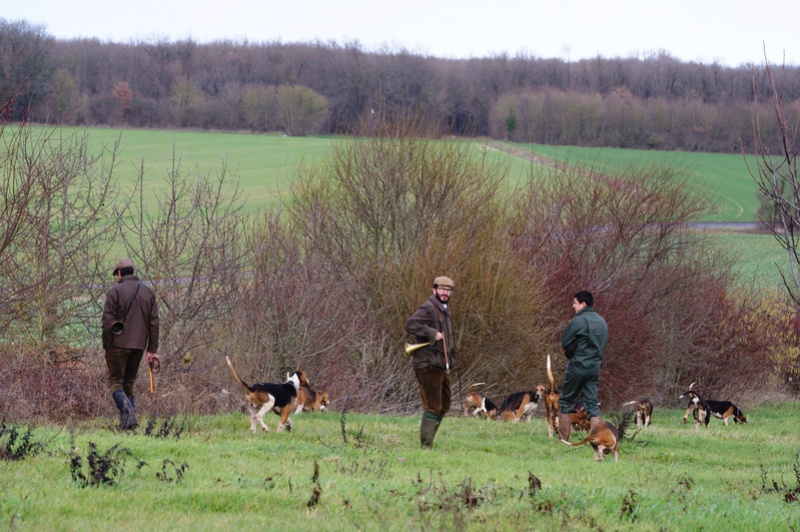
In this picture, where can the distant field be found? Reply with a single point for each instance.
(723, 179)
(267, 164)
(757, 257)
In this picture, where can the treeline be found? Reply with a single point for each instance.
(654, 101)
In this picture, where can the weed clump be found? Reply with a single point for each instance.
(177, 471)
(169, 427)
(102, 469)
(16, 444)
(790, 494)
(317, 491)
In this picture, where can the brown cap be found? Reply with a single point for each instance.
(122, 263)
(443, 281)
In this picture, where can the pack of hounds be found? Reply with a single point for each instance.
(296, 395)
(606, 436)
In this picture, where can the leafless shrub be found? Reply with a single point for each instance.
(74, 391)
(189, 249)
(380, 221)
(776, 174)
(659, 286)
(57, 226)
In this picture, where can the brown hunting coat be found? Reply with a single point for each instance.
(432, 317)
(141, 324)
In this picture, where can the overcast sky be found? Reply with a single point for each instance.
(732, 32)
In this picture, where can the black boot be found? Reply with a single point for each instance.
(133, 411)
(127, 419)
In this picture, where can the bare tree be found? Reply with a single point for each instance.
(188, 246)
(776, 176)
(57, 228)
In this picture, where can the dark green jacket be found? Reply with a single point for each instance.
(429, 318)
(585, 341)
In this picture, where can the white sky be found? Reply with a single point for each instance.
(731, 32)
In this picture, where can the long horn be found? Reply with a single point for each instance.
(410, 348)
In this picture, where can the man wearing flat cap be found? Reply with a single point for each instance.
(130, 328)
(431, 323)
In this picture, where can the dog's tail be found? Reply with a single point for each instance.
(230, 365)
(582, 442)
(550, 377)
(473, 385)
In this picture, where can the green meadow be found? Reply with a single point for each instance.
(337, 471)
(723, 180)
(266, 165)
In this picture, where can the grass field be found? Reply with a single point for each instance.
(723, 179)
(267, 164)
(757, 256)
(367, 472)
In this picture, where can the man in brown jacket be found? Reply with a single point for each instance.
(431, 323)
(130, 326)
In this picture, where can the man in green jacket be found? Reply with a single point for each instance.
(583, 343)
(431, 324)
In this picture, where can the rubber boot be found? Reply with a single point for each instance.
(427, 430)
(439, 419)
(133, 411)
(564, 426)
(594, 421)
(127, 419)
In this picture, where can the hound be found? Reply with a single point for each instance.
(309, 400)
(705, 408)
(578, 419)
(551, 403)
(479, 402)
(262, 397)
(697, 407)
(644, 411)
(605, 437)
(521, 405)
